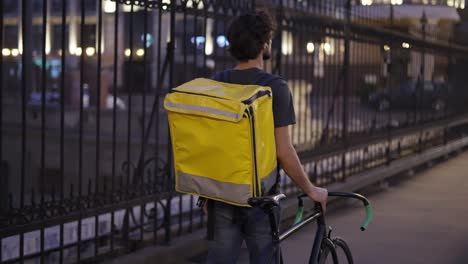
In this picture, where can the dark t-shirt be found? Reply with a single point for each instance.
(283, 107)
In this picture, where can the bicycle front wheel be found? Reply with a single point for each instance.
(328, 253)
(342, 247)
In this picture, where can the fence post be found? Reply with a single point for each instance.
(171, 46)
(422, 78)
(346, 65)
(279, 38)
(388, 59)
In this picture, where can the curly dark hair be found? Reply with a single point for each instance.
(248, 34)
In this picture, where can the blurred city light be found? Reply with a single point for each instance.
(310, 47)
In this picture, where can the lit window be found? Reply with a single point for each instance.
(14, 52)
(6, 52)
(287, 43)
(140, 52)
(127, 52)
(222, 41)
(90, 51)
(78, 51)
(199, 41)
(109, 6)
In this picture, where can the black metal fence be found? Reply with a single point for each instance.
(83, 137)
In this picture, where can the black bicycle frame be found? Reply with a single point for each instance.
(319, 235)
(318, 215)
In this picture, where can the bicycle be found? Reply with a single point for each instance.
(324, 245)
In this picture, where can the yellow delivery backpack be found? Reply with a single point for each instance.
(223, 140)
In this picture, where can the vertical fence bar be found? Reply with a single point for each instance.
(158, 91)
(143, 110)
(360, 122)
(225, 58)
(303, 59)
(25, 81)
(114, 121)
(356, 127)
(62, 118)
(129, 89)
(279, 40)
(128, 73)
(336, 81)
(185, 67)
(329, 92)
(448, 105)
(317, 100)
(171, 84)
(98, 123)
(195, 55)
(346, 86)
(81, 118)
(205, 28)
(321, 95)
(355, 109)
(422, 80)
(288, 57)
(184, 42)
(43, 121)
(3, 204)
(205, 34)
(294, 78)
(361, 115)
(194, 42)
(26, 59)
(309, 74)
(389, 83)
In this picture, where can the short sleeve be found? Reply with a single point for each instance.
(283, 106)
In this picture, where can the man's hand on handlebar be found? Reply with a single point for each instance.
(319, 195)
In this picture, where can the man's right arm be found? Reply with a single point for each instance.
(291, 164)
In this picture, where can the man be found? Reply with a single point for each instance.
(249, 39)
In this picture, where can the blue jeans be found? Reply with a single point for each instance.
(232, 225)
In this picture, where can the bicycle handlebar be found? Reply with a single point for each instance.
(364, 200)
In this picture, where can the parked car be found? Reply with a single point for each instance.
(427, 94)
(52, 99)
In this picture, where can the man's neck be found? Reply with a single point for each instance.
(256, 63)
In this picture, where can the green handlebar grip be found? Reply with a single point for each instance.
(300, 212)
(368, 217)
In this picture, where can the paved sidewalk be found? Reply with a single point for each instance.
(418, 220)
(423, 219)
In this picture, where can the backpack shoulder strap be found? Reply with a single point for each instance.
(222, 76)
(264, 79)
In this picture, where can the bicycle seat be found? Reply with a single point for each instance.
(266, 201)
